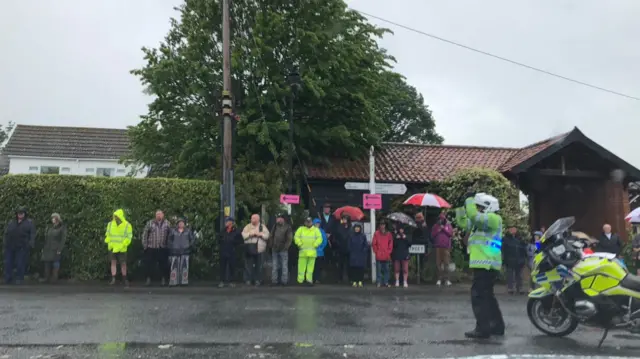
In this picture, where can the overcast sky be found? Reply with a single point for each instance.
(67, 63)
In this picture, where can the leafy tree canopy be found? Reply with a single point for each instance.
(350, 97)
(5, 132)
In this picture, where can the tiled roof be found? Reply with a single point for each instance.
(67, 142)
(413, 163)
(530, 151)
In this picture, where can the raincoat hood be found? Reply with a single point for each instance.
(57, 216)
(316, 221)
(120, 214)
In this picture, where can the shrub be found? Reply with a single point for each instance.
(491, 182)
(86, 205)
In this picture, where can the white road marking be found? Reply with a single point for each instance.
(535, 356)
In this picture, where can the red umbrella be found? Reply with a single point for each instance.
(427, 200)
(354, 212)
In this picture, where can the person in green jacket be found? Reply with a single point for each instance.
(308, 238)
(484, 242)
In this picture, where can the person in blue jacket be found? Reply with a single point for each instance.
(358, 250)
(317, 272)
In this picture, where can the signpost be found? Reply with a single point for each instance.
(372, 201)
(372, 190)
(289, 199)
(381, 188)
(418, 249)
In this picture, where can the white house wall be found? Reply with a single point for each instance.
(24, 165)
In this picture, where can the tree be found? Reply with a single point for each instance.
(5, 132)
(346, 104)
(408, 119)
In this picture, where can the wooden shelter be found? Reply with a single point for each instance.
(566, 175)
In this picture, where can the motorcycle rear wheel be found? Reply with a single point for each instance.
(566, 325)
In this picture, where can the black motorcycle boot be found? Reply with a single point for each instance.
(476, 334)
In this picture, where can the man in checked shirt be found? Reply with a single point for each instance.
(154, 242)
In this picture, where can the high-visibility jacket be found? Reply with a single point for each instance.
(118, 236)
(308, 239)
(485, 239)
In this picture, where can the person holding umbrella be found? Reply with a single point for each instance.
(400, 254)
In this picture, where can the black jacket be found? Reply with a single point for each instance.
(421, 235)
(613, 245)
(329, 225)
(20, 234)
(229, 240)
(341, 237)
(514, 251)
(401, 244)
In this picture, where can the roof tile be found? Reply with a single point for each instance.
(67, 142)
(530, 151)
(415, 163)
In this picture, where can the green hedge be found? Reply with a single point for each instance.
(86, 204)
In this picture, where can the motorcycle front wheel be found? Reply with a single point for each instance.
(553, 320)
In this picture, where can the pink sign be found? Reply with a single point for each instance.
(372, 201)
(289, 199)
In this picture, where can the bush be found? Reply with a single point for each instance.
(491, 182)
(86, 205)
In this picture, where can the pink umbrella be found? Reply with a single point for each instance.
(427, 200)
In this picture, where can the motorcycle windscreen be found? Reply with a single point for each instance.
(559, 226)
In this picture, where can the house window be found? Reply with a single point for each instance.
(33, 168)
(121, 170)
(90, 170)
(50, 170)
(105, 172)
(65, 170)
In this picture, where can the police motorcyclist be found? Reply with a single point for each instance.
(484, 233)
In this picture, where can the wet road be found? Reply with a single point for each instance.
(270, 323)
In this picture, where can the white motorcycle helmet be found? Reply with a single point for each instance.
(487, 201)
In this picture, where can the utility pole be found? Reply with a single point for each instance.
(228, 188)
(372, 214)
(294, 83)
(291, 145)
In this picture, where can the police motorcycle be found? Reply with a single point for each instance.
(576, 289)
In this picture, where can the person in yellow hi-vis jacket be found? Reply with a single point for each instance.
(118, 237)
(308, 238)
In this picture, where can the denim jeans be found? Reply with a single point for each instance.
(514, 278)
(382, 272)
(280, 267)
(15, 258)
(253, 268)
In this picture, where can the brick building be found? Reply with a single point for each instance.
(566, 175)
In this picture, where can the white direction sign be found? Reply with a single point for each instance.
(382, 188)
(417, 249)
